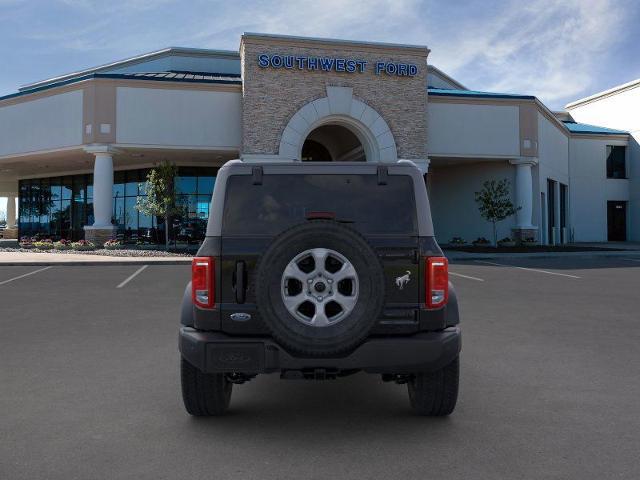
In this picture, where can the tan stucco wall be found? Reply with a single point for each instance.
(272, 96)
(99, 112)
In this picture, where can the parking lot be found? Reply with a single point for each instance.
(549, 389)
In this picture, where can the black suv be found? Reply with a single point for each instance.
(316, 271)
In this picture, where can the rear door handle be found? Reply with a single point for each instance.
(241, 282)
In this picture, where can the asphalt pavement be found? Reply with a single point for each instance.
(89, 385)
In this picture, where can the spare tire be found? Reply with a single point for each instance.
(320, 288)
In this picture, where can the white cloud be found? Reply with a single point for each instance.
(542, 47)
(545, 48)
(356, 19)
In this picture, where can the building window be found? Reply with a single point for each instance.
(616, 164)
(193, 187)
(59, 207)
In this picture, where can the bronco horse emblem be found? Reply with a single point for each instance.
(403, 280)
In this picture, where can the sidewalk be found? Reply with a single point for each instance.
(616, 245)
(455, 255)
(36, 259)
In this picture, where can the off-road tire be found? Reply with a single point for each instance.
(435, 394)
(334, 339)
(204, 394)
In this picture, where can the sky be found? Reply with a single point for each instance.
(557, 50)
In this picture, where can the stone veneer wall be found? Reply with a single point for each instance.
(272, 96)
(99, 236)
(9, 233)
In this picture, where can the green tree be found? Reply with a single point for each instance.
(160, 199)
(494, 203)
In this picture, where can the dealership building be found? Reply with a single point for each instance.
(74, 149)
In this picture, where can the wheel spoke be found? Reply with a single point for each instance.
(346, 271)
(293, 271)
(319, 257)
(345, 301)
(320, 318)
(293, 302)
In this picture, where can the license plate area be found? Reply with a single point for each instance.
(235, 357)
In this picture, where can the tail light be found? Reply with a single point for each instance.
(436, 282)
(203, 281)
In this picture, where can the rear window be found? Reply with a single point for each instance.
(282, 201)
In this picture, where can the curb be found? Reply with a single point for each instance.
(94, 263)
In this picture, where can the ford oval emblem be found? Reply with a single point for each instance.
(240, 317)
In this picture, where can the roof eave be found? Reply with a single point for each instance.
(130, 61)
(115, 76)
(603, 94)
(422, 49)
(488, 96)
(446, 77)
(604, 134)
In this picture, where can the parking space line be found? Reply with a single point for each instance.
(466, 276)
(25, 275)
(132, 276)
(528, 269)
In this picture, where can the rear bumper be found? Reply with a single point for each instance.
(214, 352)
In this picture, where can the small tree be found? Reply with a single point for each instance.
(160, 199)
(494, 203)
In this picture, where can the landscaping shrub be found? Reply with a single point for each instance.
(46, 244)
(83, 245)
(481, 241)
(62, 245)
(457, 241)
(113, 244)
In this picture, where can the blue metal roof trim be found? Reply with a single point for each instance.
(226, 79)
(132, 60)
(585, 128)
(444, 92)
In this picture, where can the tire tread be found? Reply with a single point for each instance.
(435, 393)
(204, 394)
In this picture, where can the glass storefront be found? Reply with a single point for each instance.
(55, 207)
(59, 207)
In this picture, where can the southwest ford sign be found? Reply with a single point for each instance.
(333, 64)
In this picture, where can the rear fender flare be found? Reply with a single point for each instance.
(186, 310)
(452, 316)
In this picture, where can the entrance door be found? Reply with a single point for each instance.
(551, 211)
(543, 223)
(332, 143)
(563, 213)
(617, 221)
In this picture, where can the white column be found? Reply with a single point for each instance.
(11, 212)
(102, 190)
(524, 192)
(102, 229)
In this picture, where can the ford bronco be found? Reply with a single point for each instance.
(318, 270)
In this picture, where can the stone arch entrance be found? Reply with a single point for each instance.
(340, 126)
